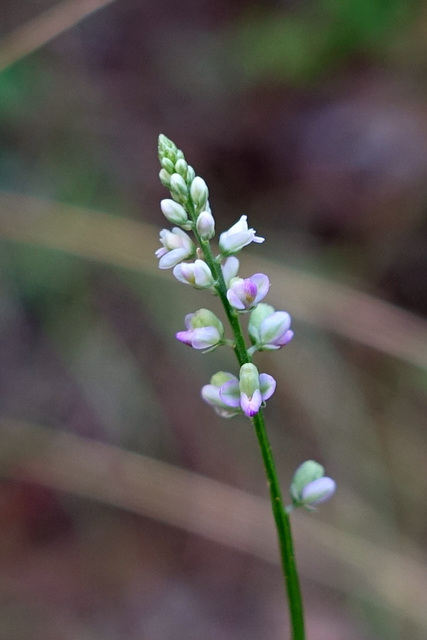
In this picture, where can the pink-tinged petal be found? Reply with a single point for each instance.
(185, 336)
(210, 394)
(251, 405)
(285, 338)
(274, 327)
(160, 252)
(234, 300)
(249, 290)
(262, 284)
(267, 385)
(182, 272)
(318, 491)
(230, 393)
(172, 258)
(205, 337)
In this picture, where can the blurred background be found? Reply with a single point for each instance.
(127, 508)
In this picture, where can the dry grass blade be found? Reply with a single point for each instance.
(44, 28)
(127, 243)
(197, 504)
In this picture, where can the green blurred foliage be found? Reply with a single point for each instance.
(304, 45)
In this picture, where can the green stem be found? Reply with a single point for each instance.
(284, 533)
(281, 517)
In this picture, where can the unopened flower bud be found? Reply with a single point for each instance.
(165, 178)
(191, 174)
(181, 167)
(310, 486)
(174, 212)
(168, 165)
(205, 225)
(199, 193)
(178, 186)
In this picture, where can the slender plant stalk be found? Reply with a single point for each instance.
(284, 533)
(281, 517)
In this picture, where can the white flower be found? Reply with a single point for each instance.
(237, 237)
(177, 246)
(195, 273)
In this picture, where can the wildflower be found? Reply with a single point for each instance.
(310, 486)
(211, 394)
(245, 294)
(197, 274)
(204, 330)
(269, 329)
(249, 392)
(237, 237)
(177, 246)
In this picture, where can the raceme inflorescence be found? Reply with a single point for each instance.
(187, 250)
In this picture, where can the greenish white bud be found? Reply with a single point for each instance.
(174, 212)
(199, 192)
(168, 165)
(165, 178)
(191, 174)
(249, 379)
(181, 167)
(310, 486)
(178, 186)
(205, 225)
